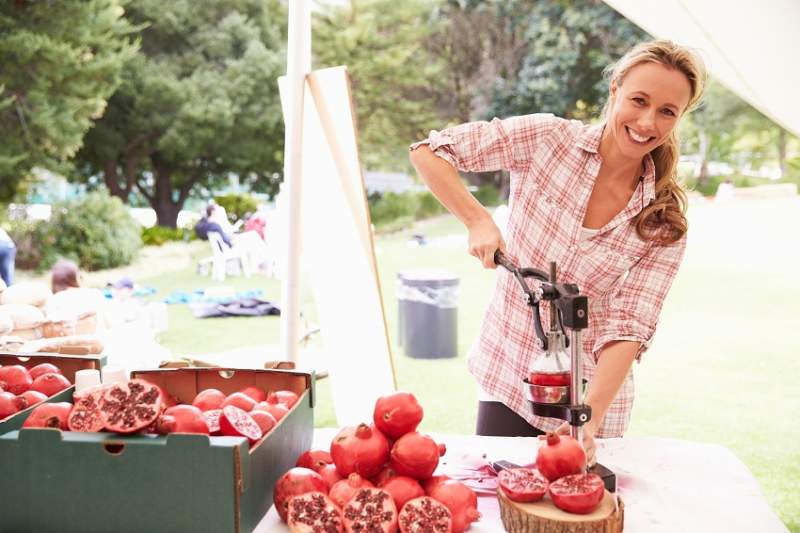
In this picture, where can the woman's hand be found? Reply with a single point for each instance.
(484, 240)
(588, 441)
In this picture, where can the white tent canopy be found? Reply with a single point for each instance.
(750, 46)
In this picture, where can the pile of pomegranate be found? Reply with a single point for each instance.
(560, 472)
(21, 387)
(376, 477)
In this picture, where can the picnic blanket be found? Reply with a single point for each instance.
(237, 307)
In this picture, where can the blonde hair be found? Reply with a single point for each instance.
(664, 220)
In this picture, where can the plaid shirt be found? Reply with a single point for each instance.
(553, 164)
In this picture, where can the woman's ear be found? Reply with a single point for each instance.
(612, 88)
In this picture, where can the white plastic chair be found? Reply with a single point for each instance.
(223, 255)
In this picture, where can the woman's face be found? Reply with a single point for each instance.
(646, 107)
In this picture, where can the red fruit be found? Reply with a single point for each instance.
(578, 493)
(343, 490)
(523, 484)
(43, 368)
(362, 449)
(242, 401)
(396, 414)
(561, 457)
(10, 404)
(460, 500)
(285, 397)
(314, 512)
(415, 455)
(212, 419)
(235, 422)
(370, 510)
(264, 420)
(402, 489)
(130, 407)
(49, 415)
(384, 475)
(32, 397)
(50, 384)
(425, 514)
(330, 475)
(167, 399)
(16, 378)
(277, 410)
(85, 414)
(428, 484)
(165, 425)
(209, 399)
(314, 459)
(295, 482)
(550, 380)
(185, 419)
(257, 394)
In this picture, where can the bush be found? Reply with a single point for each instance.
(29, 238)
(488, 195)
(158, 235)
(429, 206)
(388, 207)
(237, 205)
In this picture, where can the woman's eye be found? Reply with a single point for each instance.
(639, 101)
(669, 112)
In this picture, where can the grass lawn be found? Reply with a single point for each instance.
(723, 368)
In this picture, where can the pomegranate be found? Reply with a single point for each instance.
(32, 397)
(425, 515)
(129, 407)
(212, 419)
(257, 394)
(578, 493)
(277, 410)
(314, 512)
(428, 484)
(550, 380)
(402, 489)
(343, 490)
(397, 414)
(240, 400)
(10, 404)
(562, 456)
(85, 414)
(295, 482)
(264, 420)
(284, 397)
(50, 384)
(167, 399)
(235, 422)
(209, 399)
(314, 459)
(49, 415)
(415, 455)
(182, 419)
(384, 475)
(330, 475)
(43, 368)
(15, 379)
(460, 500)
(523, 484)
(362, 449)
(370, 510)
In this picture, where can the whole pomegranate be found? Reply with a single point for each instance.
(578, 493)
(314, 459)
(397, 413)
(257, 394)
(240, 400)
(314, 512)
(277, 410)
(43, 368)
(295, 482)
(370, 510)
(460, 500)
(49, 415)
(383, 475)
(343, 490)
(362, 449)
(33, 397)
(402, 489)
(182, 418)
(130, 407)
(15, 379)
(10, 404)
(425, 514)
(330, 475)
(415, 455)
(562, 456)
(50, 384)
(428, 484)
(284, 397)
(209, 399)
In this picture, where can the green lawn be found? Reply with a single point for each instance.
(723, 368)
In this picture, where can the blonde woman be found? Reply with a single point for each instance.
(602, 200)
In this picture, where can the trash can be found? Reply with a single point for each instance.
(428, 313)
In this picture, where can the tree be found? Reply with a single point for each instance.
(198, 103)
(60, 62)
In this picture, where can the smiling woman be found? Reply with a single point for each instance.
(603, 202)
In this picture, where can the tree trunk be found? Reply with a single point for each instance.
(111, 179)
(702, 178)
(782, 151)
(166, 209)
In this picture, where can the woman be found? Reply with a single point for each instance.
(603, 202)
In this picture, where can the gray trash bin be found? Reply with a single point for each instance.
(428, 313)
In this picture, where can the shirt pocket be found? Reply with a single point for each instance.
(600, 268)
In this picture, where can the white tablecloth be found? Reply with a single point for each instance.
(668, 485)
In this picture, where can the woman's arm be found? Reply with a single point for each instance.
(444, 182)
(614, 363)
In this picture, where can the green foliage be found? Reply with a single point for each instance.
(393, 211)
(60, 62)
(237, 205)
(429, 206)
(488, 195)
(158, 235)
(34, 244)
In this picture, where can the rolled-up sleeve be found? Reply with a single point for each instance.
(633, 311)
(506, 144)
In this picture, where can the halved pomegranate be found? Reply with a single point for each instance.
(212, 419)
(424, 514)
(314, 512)
(235, 422)
(295, 482)
(85, 414)
(523, 484)
(370, 510)
(578, 493)
(130, 407)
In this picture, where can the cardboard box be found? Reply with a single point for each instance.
(100, 482)
(69, 364)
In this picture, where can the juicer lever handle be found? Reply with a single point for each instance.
(503, 261)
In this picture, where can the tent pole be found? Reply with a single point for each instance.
(298, 64)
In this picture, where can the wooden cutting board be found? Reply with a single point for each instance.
(544, 517)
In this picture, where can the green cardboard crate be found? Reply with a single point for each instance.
(100, 482)
(69, 364)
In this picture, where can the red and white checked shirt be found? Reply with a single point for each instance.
(553, 165)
